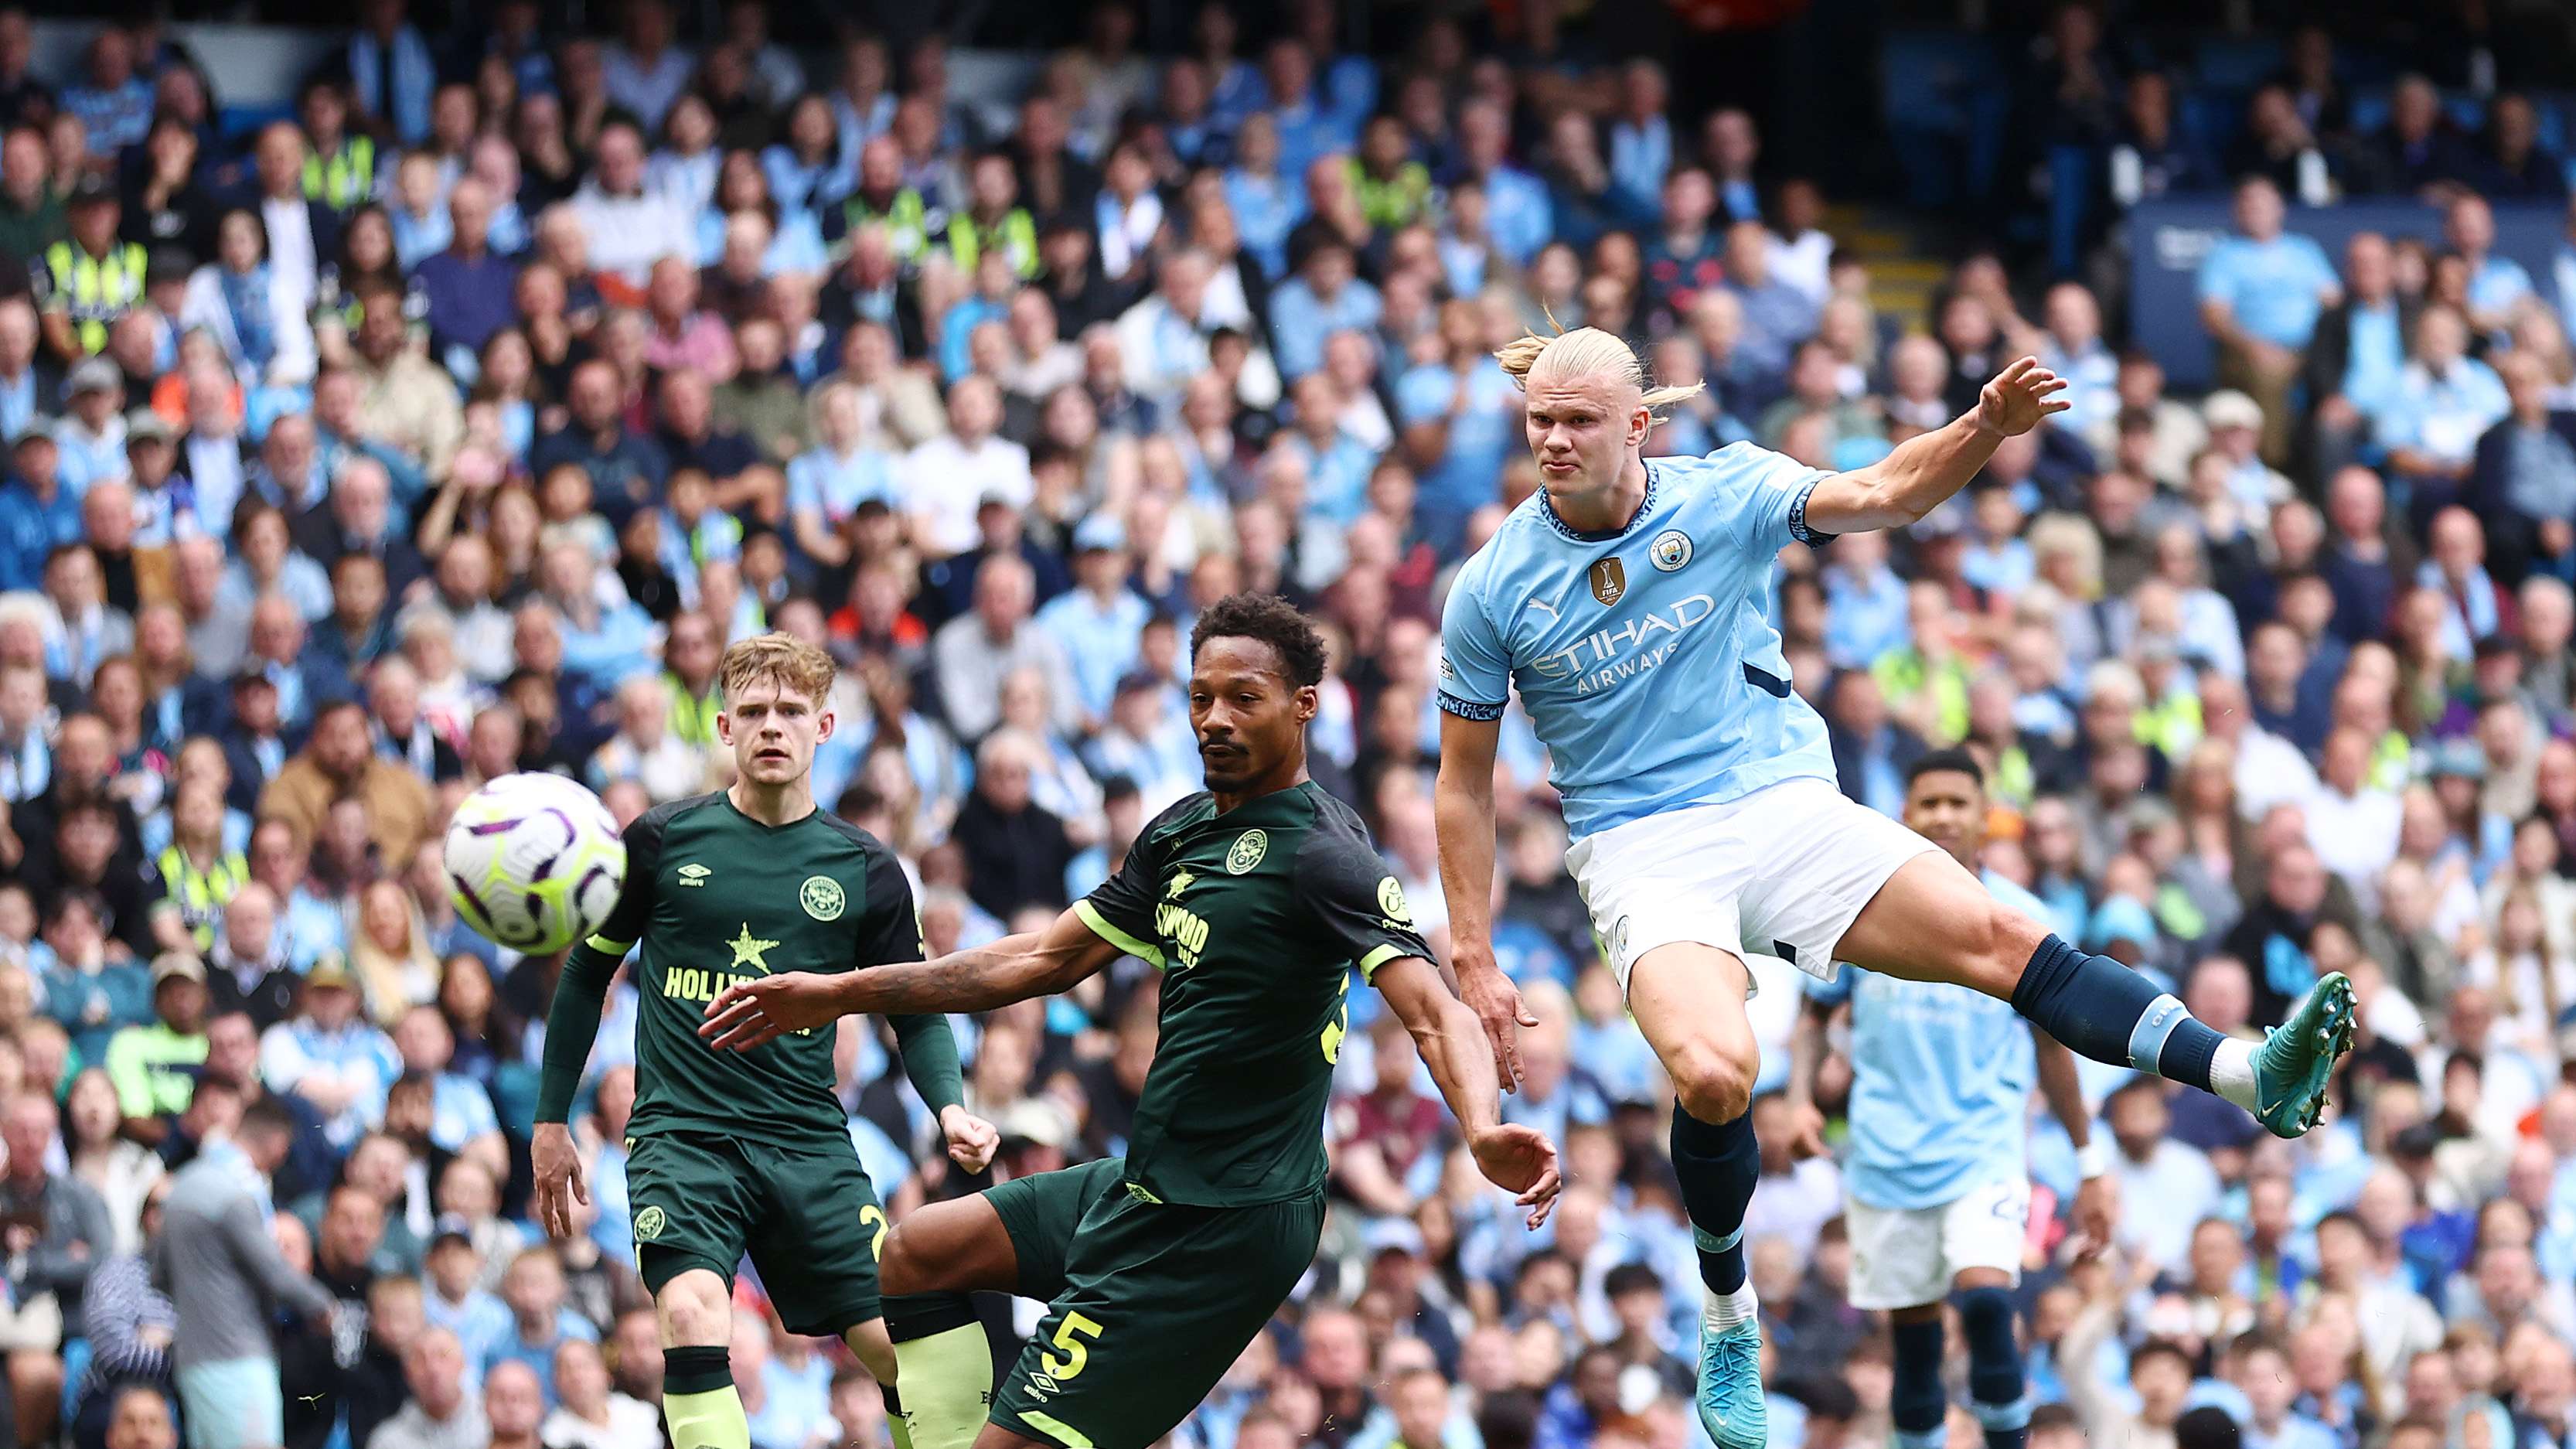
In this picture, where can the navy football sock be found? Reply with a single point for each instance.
(1718, 1165)
(2106, 1011)
(1996, 1387)
(1915, 1403)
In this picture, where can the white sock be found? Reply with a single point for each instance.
(1722, 1311)
(2231, 1072)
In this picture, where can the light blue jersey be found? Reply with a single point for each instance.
(1941, 1082)
(1645, 657)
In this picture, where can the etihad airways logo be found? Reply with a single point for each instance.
(1603, 657)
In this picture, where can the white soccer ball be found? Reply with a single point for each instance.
(534, 862)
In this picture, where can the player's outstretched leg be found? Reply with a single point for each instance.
(1916, 1403)
(1932, 921)
(1997, 1389)
(1689, 1002)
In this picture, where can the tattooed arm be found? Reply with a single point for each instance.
(1014, 968)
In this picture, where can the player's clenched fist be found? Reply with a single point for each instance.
(972, 1141)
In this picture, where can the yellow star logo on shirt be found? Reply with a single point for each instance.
(1180, 882)
(750, 951)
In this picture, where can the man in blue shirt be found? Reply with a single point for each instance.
(1626, 601)
(1099, 620)
(2260, 293)
(1936, 1177)
(1326, 296)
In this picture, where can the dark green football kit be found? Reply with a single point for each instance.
(1159, 1267)
(747, 1152)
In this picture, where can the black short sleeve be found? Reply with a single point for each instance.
(1357, 902)
(1120, 910)
(625, 924)
(890, 924)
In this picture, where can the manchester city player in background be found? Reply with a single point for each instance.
(1626, 601)
(1937, 1181)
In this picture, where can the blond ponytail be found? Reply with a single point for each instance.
(1581, 353)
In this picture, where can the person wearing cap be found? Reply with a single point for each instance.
(89, 278)
(1099, 620)
(91, 434)
(330, 1055)
(164, 500)
(2235, 423)
(37, 513)
(154, 1066)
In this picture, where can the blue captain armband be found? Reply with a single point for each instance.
(1798, 528)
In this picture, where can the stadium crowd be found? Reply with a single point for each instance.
(452, 425)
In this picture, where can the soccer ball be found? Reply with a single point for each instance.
(534, 862)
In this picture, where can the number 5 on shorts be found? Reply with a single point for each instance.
(1077, 1354)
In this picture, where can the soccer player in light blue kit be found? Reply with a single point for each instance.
(1937, 1180)
(1625, 601)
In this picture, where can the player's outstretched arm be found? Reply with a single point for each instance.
(1039, 963)
(1463, 811)
(1923, 472)
(1452, 1044)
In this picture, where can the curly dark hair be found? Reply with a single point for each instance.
(1273, 621)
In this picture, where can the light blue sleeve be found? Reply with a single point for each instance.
(804, 494)
(1760, 497)
(1475, 662)
(2401, 422)
(2217, 279)
(2321, 271)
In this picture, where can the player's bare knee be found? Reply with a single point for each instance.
(1714, 1085)
(900, 1269)
(696, 1311)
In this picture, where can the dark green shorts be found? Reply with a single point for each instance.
(1148, 1304)
(808, 1216)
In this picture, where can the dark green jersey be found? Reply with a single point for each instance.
(716, 897)
(1256, 917)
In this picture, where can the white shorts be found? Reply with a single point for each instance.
(1907, 1257)
(1781, 872)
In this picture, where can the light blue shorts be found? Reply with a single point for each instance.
(233, 1403)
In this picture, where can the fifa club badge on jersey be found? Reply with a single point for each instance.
(822, 897)
(1247, 851)
(1670, 550)
(1609, 580)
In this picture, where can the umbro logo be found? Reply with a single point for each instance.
(694, 874)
